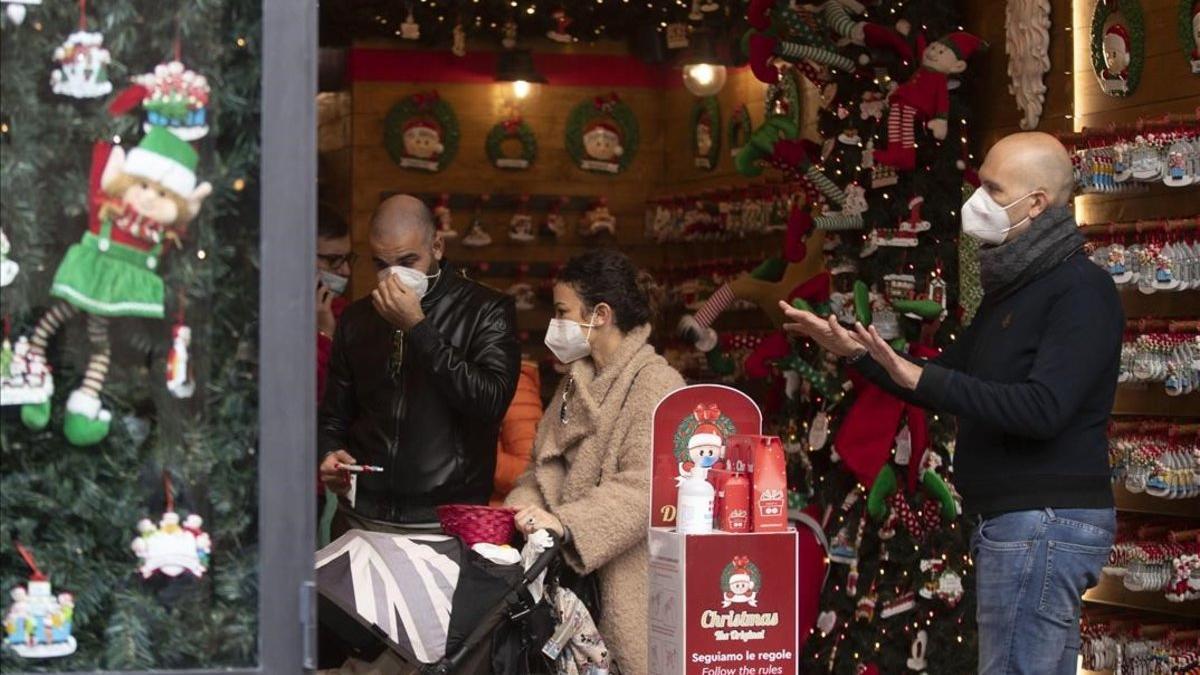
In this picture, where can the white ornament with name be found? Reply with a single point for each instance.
(171, 548)
(82, 67)
(818, 431)
(904, 446)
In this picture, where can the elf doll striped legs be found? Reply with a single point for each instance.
(901, 151)
(37, 415)
(87, 422)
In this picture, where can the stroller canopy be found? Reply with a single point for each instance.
(423, 592)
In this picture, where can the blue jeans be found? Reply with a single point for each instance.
(1031, 569)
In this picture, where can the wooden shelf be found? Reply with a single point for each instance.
(1163, 305)
(1143, 503)
(1151, 399)
(1110, 591)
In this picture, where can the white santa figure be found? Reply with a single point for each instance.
(179, 375)
(741, 585)
(422, 139)
(602, 141)
(1114, 77)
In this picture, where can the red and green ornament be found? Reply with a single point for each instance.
(602, 135)
(421, 132)
(706, 133)
(1118, 45)
(512, 129)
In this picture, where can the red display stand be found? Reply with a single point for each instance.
(720, 604)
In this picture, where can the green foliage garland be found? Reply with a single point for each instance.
(610, 106)
(77, 508)
(514, 128)
(428, 105)
(707, 106)
(739, 128)
(1131, 10)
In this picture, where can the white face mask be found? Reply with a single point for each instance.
(567, 341)
(986, 220)
(415, 281)
(336, 283)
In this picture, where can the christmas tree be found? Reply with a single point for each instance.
(76, 509)
(877, 473)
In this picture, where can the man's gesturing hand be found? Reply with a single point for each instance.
(827, 333)
(902, 371)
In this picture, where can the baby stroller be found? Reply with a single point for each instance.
(441, 607)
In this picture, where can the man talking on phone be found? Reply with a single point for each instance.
(1031, 382)
(420, 375)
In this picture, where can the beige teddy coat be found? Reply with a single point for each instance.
(593, 473)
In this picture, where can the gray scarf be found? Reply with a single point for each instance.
(1052, 237)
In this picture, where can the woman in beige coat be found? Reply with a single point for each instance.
(590, 475)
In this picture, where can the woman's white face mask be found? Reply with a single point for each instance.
(567, 341)
(986, 220)
(416, 281)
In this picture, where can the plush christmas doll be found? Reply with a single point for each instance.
(141, 200)
(925, 96)
(1116, 58)
(781, 29)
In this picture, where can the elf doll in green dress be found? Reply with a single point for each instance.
(144, 199)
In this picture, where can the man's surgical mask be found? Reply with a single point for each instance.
(986, 220)
(416, 281)
(567, 341)
(336, 283)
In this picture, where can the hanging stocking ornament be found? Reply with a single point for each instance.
(410, 29)
(82, 62)
(38, 624)
(865, 609)
(15, 9)
(172, 548)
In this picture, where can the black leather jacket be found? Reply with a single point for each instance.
(432, 425)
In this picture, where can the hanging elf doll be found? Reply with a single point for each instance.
(141, 200)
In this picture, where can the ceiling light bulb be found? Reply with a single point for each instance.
(520, 89)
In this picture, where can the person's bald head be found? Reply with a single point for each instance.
(1028, 162)
(404, 233)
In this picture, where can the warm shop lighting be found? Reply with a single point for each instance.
(704, 79)
(521, 89)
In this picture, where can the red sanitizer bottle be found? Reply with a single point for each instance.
(735, 504)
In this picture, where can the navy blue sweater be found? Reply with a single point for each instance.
(1032, 382)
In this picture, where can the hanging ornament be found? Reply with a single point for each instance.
(82, 61)
(443, 217)
(458, 40)
(410, 29)
(520, 227)
(677, 36)
(15, 9)
(173, 96)
(739, 129)
(1027, 43)
(477, 236)
(1189, 32)
(903, 446)
(508, 34)
(1118, 45)
(38, 624)
(9, 268)
(916, 659)
(602, 134)
(555, 224)
(179, 367)
(905, 602)
(697, 12)
(818, 431)
(865, 609)
(562, 21)
(826, 622)
(421, 132)
(504, 133)
(597, 219)
(943, 583)
(172, 548)
(706, 133)
(24, 375)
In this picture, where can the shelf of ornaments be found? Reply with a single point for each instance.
(1139, 189)
(1156, 624)
(1111, 592)
(1143, 503)
(1150, 398)
(1161, 305)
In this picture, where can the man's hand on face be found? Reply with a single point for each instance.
(827, 333)
(326, 322)
(397, 304)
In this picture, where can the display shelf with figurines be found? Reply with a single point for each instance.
(1116, 640)
(1156, 465)
(1134, 158)
(1151, 257)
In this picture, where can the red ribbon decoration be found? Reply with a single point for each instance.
(511, 125)
(707, 413)
(426, 99)
(168, 492)
(28, 557)
(606, 103)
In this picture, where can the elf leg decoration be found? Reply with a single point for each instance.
(87, 422)
(901, 151)
(763, 49)
(37, 415)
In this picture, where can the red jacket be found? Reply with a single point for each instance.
(325, 347)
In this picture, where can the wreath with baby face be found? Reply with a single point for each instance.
(602, 135)
(1118, 44)
(421, 133)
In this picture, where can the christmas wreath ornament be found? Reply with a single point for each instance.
(511, 129)
(706, 133)
(15, 10)
(602, 135)
(174, 546)
(174, 97)
(38, 624)
(82, 62)
(739, 129)
(1118, 44)
(1027, 43)
(421, 133)
(141, 200)
(1189, 32)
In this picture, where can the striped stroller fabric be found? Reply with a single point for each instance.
(404, 585)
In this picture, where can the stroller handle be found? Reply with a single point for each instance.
(451, 663)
